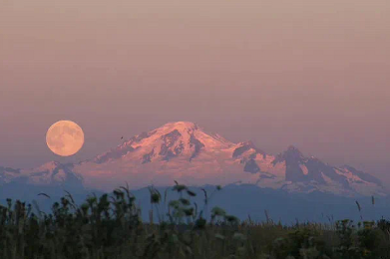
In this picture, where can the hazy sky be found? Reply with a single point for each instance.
(315, 74)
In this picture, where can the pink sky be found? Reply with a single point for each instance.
(310, 73)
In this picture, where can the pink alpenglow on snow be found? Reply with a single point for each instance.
(184, 152)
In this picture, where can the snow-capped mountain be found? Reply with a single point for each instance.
(8, 174)
(49, 174)
(182, 151)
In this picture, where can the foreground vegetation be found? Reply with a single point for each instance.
(110, 227)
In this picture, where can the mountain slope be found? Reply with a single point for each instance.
(49, 174)
(184, 152)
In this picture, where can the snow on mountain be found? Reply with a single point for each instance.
(184, 152)
(7, 175)
(52, 173)
(172, 140)
(175, 151)
(49, 174)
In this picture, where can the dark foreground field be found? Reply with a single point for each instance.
(110, 227)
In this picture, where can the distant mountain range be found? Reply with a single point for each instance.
(182, 151)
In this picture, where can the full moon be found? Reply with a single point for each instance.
(65, 138)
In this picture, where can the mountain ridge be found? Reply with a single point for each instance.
(183, 151)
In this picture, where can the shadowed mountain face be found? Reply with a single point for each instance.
(182, 151)
(294, 159)
(306, 170)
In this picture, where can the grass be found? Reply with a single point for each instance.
(110, 227)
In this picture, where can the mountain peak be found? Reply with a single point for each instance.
(49, 166)
(185, 152)
(293, 152)
(181, 126)
(292, 148)
(181, 139)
